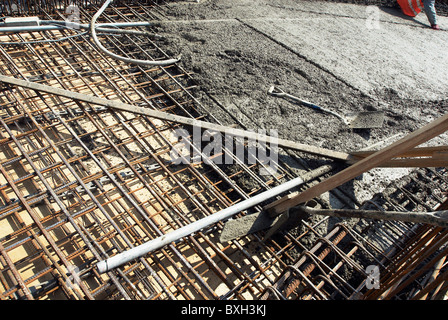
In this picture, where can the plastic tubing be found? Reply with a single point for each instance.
(118, 57)
(157, 243)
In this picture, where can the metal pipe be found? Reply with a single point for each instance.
(104, 24)
(157, 243)
(47, 25)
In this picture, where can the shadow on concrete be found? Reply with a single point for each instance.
(396, 12)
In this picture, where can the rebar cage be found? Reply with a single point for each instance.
(80, 183)
(30, 7)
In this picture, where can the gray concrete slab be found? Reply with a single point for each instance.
(368, 47)
(371, 48)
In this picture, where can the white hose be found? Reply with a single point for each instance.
(173, 236)
(121, 58)
(136, 252)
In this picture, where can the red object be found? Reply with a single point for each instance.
(410, 7)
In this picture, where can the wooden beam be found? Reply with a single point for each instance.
(415, 152)
(178, 119)
(376, 159)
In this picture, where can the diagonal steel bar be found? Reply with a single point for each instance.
(175, 118)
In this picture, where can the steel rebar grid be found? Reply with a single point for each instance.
(47, 118)
(402, 267)
(405, 275)
(29, 7)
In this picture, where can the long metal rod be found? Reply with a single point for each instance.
(175, 118)
(215, 127)
(436, 218)
(121, 58)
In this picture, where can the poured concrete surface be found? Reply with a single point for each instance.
(345, 57)
(369, 47)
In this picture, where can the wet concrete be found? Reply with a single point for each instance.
(335, 55)
(371, 48)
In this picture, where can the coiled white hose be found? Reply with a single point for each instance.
(118, 57)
